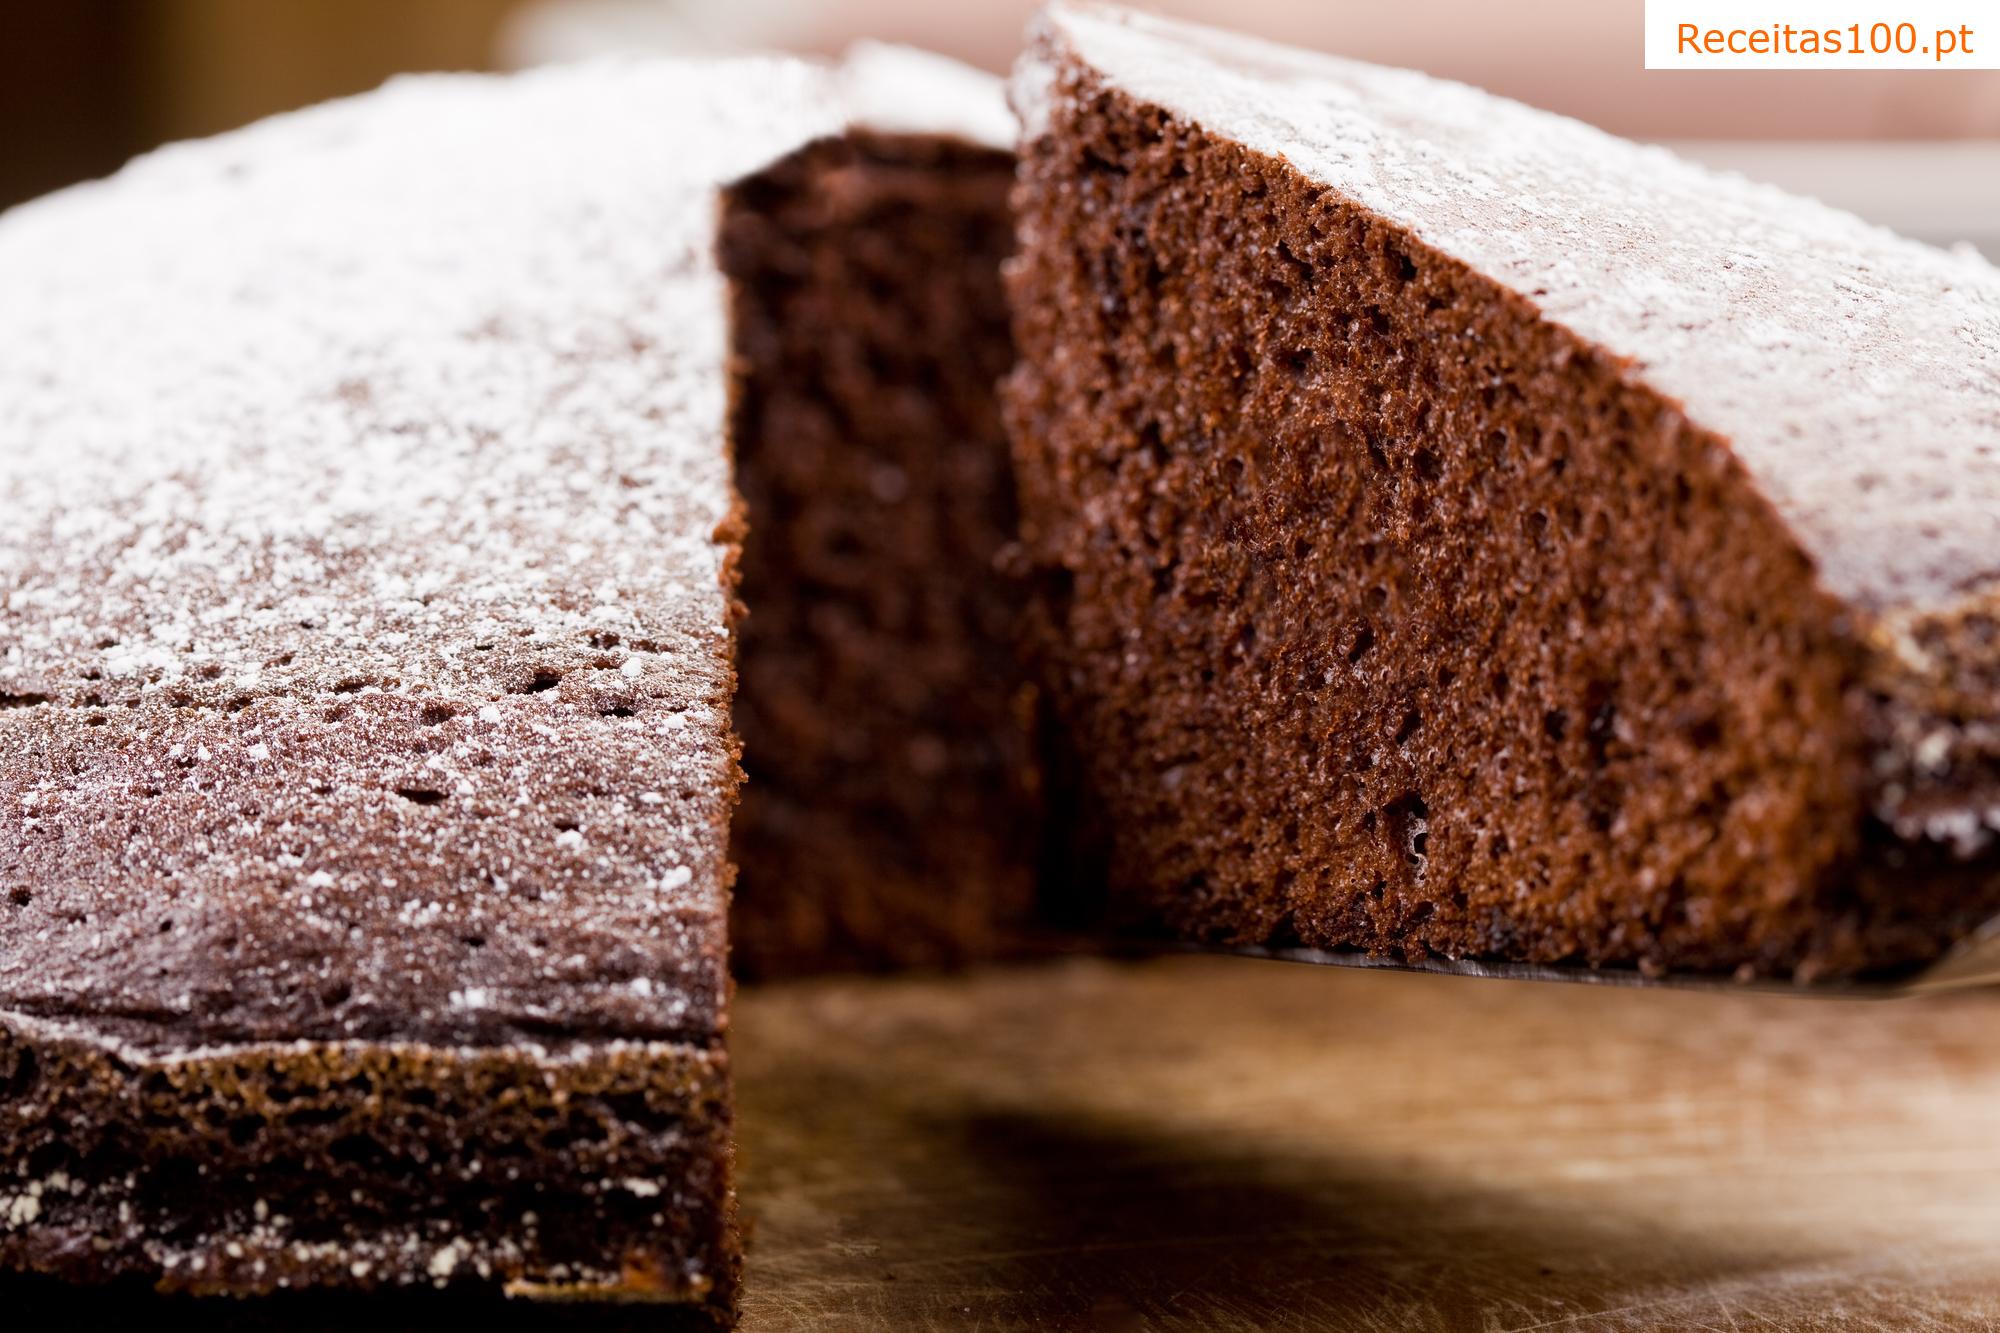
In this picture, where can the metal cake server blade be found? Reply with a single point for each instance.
(1971, 964)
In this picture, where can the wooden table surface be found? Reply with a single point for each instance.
(1227, 1144)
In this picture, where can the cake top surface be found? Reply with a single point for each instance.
(364, 660)
(899, 89)
(1856, 374)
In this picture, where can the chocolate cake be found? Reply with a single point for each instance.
(1460, 533)
(368, 551)
(890, 817)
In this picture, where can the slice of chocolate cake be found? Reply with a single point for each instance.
(367, 557)
(1462, 533)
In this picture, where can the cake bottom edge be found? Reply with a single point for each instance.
(558, 1177)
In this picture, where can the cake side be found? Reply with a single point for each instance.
(1389, 612)
(367, 628)
(890, 813)
(253, 1169)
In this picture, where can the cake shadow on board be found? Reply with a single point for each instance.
(1117, 1227)
(1227, 1146)
(1109, 1224)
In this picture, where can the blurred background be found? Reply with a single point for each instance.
(85, 84)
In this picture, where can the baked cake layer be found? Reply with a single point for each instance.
(589, 1170)
(890, 815)
(364, 800)
(367, 601)
(1461, 533)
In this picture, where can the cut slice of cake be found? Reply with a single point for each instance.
(1459, 532)
(368, 552)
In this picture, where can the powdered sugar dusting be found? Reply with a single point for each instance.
(1856, 374)
(901, 90)
(361, 476)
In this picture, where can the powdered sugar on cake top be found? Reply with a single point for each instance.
(901, 90)
(1856, 374)
(364, 659)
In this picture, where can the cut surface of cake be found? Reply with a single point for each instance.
(891, 812)
(1460, 533)
(368, 554)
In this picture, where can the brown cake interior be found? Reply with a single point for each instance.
(1383, 613)
(889, 813)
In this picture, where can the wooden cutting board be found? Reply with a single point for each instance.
(1226, 1144)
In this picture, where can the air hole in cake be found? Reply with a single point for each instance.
(353, 1151)
(542, 680)
(1602, 729)
(1407, 821)
(18, 1080)
(420, 795)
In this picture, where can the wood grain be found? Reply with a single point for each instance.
(1224, 1144)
